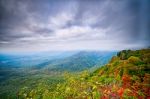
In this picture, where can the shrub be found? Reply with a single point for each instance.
(134, 60)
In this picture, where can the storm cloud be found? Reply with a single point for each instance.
(40, 25)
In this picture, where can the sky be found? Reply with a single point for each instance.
(62, 25)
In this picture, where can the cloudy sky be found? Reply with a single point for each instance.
(42, 25)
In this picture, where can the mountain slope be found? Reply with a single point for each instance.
(80, 61)
(30, 70)
(126, 76)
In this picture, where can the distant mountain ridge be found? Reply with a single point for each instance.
(57, 61)
(80, 61)
(27, 60)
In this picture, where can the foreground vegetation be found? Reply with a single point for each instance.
(10, 87)
(126, 76)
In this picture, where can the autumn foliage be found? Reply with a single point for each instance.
(126, 76)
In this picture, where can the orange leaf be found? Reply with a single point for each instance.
(120, 92)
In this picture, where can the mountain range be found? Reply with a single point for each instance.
(72, 61)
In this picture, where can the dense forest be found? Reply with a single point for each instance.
(27, 71)
(126, 76)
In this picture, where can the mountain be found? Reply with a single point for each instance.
(31, 70)
(125, 76)
(79, 61)
(30, 59)
(57, 61)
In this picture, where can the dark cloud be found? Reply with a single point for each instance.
(73, 23)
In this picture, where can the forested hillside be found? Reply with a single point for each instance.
(126, 76)
(30, 71)
(79, 61)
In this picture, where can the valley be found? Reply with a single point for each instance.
(49, 69)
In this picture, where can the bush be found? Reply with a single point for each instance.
(134, 60)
